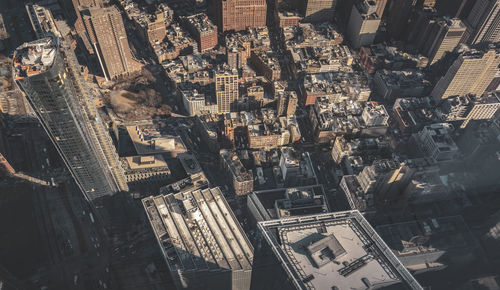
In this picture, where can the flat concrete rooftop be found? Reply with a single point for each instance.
(334, 251)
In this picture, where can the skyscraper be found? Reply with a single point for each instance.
(226, 91)
(443, 36)
(484, 21)
(240, 14)
(471, 73)
(107, 34)
(48, 73)
(363, 24)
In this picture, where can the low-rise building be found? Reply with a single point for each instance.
(330, 119)
(435, 141)
(381, 56)
(202, 30)
(241, 178)
(368, 149)
(375, 115)
(287, 103)
(145, 169)
(207, 126)
(393, 84)
(412, 114)
(261, 128)
(266, 63)
(296, 168)
(339, 86)
(147, 140)
(288, 18)
(286, 202)
(197, 100)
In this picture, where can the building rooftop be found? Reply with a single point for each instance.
(148, 140)
(34, 57)
(235, 166)
(375, 114)
(201, 23)
(189, 163)
(403, 79)
(367, 9)
(210, 124)
(441, 135)
(145, 162)
(458, 108)
(334, 251)
(313, 35)
(190, 183)
(42, 21)
(197, 230)
(414, 113)
(338, 85)
(285, 202)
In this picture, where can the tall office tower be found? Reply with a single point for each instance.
(226, 91)
(471, 73)
(201, 240)
(363, 24)
(318, 10)
(453, 8)
(107, 34)
(240, 14)
(484, 21)
(443, 36)
(398, 16)
(48, 73)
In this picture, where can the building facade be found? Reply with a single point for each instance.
(443, 36)
(484, 21)
(240, 14)
(471, 73)
(363, 24)
(226, 91)
(202, 30)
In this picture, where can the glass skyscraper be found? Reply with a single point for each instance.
(46, 70)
